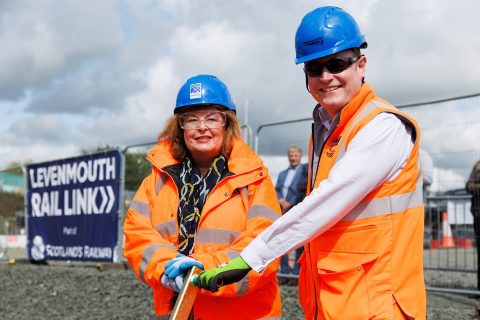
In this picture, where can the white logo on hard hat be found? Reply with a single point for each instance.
(38, 248)
(195, 90)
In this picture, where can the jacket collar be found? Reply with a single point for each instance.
(242, 158)
(161, 155)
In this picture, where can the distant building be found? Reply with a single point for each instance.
(12, 183)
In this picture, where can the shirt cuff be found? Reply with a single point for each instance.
(257, 255)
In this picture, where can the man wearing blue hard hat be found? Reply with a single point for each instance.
(362, 220)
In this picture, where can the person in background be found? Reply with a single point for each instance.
(207, 197)
(362, 220)
(426, 168)
(433, 219)
(291, 188)
(473, 188)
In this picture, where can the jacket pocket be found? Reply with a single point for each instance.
(345, 286)
(400, 309)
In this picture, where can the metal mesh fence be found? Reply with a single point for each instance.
(450, 131)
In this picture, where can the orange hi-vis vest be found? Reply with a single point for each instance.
(369, 265)
(236, 210)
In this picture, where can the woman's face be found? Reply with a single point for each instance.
(203, 133)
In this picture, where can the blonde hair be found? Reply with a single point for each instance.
(174, 134)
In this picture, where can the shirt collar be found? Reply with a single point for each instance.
(320, 115)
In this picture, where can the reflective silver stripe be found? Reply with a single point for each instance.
(381, 206)
(216, 236)
(368, 108)
(245, 193)
(274, 318)
(167, 229)
(262, 211)
(242, 285)
(164, 317)
(147, 256)
(381, 104)
(232, 254)
(161, 181)
(141, 208)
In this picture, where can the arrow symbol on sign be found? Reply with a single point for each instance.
(111, 199)
(104, 199)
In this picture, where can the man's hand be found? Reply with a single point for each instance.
(180, 264)
(234, 271)
(284, 205)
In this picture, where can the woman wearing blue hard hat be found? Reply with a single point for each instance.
(361, 222)
(207, 197)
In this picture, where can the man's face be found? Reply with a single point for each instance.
(334, 90)
(294, 157)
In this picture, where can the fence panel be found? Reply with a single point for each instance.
(450, 254)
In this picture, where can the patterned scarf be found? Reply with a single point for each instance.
(194, 189)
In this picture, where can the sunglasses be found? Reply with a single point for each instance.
(335, 65)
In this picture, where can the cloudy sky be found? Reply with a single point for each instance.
(82, 74)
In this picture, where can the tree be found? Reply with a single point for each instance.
(137, 167)
(16, 167)
(10, 203)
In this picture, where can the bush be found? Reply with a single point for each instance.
(9, 203)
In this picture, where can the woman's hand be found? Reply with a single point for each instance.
(173, 284)
(180, 264)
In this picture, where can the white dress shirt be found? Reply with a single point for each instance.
(376, 154)
(288, 180)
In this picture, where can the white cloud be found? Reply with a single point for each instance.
(108, 72)
(444, 180)
(46, 41)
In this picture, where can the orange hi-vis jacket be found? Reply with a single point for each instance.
(369, 265)
(236, 210)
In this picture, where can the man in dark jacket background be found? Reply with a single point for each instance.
(291, 189)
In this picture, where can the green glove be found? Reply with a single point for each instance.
(231, 272)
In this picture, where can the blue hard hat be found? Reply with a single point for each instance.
(325, 31)
(203, 89)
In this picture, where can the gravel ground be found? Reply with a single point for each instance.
(82, 291)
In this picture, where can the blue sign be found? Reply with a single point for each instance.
(73, 206)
